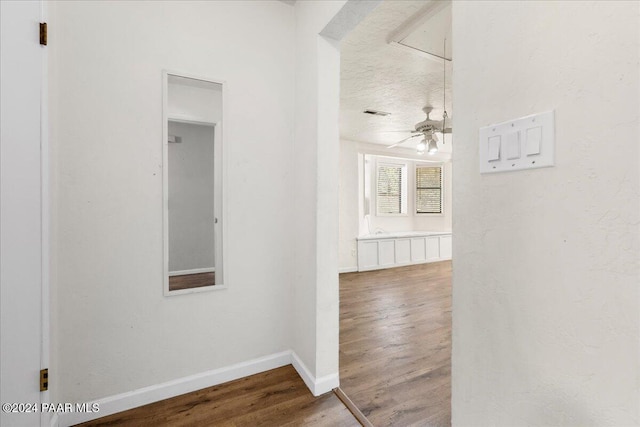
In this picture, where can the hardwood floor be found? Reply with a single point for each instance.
(395, 365)
(273, 398)
(189, 281)
(395, 344)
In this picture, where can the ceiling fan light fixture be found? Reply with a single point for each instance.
(421, 147)
(433, 147)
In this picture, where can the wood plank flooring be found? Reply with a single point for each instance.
(273, 398)
(189, 281)
(395, 344)
(395, 365)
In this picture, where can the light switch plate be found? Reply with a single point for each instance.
(527, 143)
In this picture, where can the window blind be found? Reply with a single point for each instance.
(429, 189)
(389, 189)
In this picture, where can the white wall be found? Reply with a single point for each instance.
(314, 185)
(196, 103)
(191, 191)
(350, 189)
(350, 217)
(114, 331)
(545, 286)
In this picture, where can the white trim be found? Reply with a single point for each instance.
(326, 384)
(423, 15)
(45, 217)
(317, 386)
(197, 290)
(165, 181)
(143, 396)
(192, 120)
(348, 269)
(192, 271)
(304, 372)
(397, 36)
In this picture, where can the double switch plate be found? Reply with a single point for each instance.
(524, 143)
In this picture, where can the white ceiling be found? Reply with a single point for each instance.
(386, 77)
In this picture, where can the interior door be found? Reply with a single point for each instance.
(21, 77)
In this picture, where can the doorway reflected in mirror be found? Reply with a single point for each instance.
(193, 215)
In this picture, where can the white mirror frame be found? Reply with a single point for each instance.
(219, 189)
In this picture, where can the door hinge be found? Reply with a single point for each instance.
(43, 33)
(44, 379)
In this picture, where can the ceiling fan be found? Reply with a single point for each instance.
(427, 128)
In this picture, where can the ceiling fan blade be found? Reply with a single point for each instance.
(401, 141)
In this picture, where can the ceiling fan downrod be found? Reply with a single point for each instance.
(444, 87)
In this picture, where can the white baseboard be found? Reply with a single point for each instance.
(317, 386)
(326, 384)
(143, 396)
(348, 269)
(192, 271)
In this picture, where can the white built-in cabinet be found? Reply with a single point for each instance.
(395, 249)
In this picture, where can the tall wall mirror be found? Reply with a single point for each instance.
(192, 178)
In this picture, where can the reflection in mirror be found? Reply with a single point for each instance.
(192, 184)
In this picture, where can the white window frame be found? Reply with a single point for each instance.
(404, 209)
(415, 189)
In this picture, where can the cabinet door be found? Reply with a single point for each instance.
(433, 248)
(418, 249)
(403, 251)
(445, 247)
(367, 255)
(387, 252)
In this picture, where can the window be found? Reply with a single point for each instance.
(428, 189)
(391, 188)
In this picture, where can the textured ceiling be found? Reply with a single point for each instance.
(385, 77)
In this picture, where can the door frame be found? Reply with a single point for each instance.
(45, 220)
(39, 173)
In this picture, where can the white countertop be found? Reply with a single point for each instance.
(401, 234)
